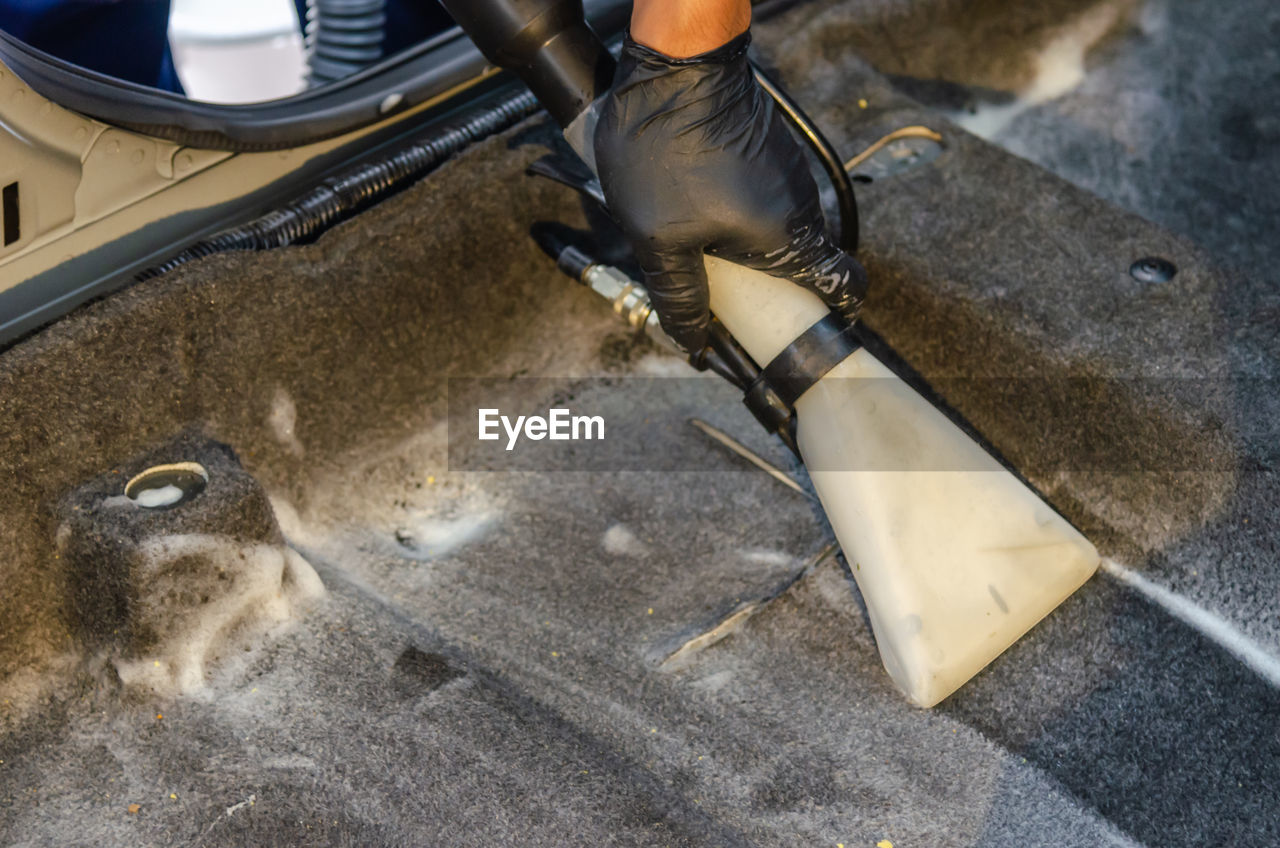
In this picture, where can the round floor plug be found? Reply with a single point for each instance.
(167, 486)
(173, 561)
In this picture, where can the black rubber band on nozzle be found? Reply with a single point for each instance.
(772, 395)
(805, 361)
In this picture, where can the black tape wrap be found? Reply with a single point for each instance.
(772, 396)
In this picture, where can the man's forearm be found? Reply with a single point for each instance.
(683, 28)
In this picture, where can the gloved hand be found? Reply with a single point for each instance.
(693, 156)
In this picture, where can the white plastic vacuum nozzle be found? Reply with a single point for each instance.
(955, 557)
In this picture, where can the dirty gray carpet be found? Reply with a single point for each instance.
(494, 658)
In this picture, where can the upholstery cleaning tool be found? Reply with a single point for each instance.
(955, 557)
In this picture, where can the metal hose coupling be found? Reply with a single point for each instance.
(629, 299)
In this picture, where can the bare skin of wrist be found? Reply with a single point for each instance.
(684, 28)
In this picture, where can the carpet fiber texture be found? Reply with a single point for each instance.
(490, 659)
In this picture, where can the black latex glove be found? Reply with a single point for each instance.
(693, 156)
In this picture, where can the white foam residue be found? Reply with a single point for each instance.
(620, 541)
(716, 681)
(760, 556)
(116, 501)
(265, 586)
(282, 420)
(159, 496)
(430, 537)
(1209, 624)
(288, 519)
(1059, 69)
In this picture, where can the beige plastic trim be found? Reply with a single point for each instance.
(83, 183)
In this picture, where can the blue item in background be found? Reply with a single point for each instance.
(129, 40)
(126, 39)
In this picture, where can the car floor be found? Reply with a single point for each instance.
(668, 651)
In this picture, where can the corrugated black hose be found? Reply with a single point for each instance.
(343, 36)
(341, 196)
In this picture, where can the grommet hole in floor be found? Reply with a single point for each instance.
(166, 486)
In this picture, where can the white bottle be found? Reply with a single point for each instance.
(955, 557)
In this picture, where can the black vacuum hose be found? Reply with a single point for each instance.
(547, 43)
(831, 161)
(343, 36)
